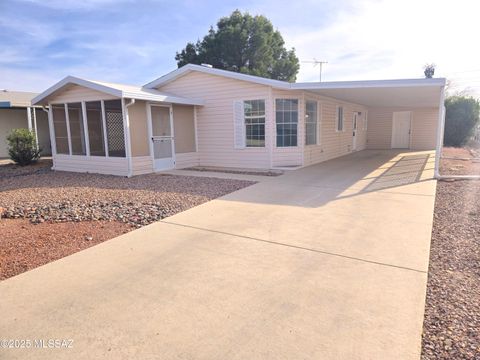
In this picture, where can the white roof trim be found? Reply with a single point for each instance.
(117, 90)
(171, 76)
(437, 82)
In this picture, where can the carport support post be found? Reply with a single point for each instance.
(29, 118)
(440, 132)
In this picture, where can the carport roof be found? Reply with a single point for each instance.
(118, 90)
(393, 93)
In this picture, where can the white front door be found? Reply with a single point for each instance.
(401, 129)
(354, 130)
(162, 137)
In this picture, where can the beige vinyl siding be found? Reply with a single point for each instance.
(334, 143)
(16, 119)
(215, 119)
(142, 165)
(184, 129)
(10, 119)
(137, 114)
(186, 160)
(92, 164)
(423, 128)
(77, 93)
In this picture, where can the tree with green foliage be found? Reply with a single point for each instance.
(246, 44)
(22, 146)
(461, 118)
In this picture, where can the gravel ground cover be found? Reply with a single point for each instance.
(141, 200)
(452, 312)
(46, 215)
(24, 246)
(237, 171)
(9, 169)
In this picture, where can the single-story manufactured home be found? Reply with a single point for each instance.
(201, 116)
(17, 112)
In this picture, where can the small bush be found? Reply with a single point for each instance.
(461, 118)
(22, 147)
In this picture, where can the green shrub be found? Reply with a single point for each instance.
(461, 118)
(22, 147)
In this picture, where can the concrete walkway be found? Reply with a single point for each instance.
(326, 262)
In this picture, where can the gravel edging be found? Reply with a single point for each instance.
(452, 312)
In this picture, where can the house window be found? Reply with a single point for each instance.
(60, 129)
(311, 122)
(115, 131)
(254, 116)
(286, 116)
(77, 130)
(340, 118)
(95, 128)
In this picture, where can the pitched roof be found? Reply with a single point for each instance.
(175, 74)
(117, 90)
(171, 76)
(16, 98)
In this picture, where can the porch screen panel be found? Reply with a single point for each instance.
(95, 128)
(77, 130)
(60, 129)
(115, 132)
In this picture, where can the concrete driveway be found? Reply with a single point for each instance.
(326, 262)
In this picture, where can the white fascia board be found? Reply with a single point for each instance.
(212, 71)
(76, 81)
(161, 98)
(438, 82)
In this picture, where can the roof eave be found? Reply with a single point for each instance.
(437, 82)
(76, 81)
(171, 76)
(162, 98)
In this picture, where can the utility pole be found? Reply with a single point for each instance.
(316, 62)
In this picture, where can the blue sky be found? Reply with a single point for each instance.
(42, 41)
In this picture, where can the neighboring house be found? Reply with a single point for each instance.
(17, 112)
(201, 116)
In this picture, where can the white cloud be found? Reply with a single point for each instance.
(391, 39)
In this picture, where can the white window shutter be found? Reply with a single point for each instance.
(238, 125)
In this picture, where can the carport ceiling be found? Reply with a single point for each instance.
(383, 93)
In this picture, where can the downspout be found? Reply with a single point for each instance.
(128, 147)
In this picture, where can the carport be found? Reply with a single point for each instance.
(402, 114)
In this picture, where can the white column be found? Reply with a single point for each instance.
(104, 123)
(52, 131)
(85, 129)
(69, 138)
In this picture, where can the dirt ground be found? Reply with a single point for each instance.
(46, 215)
(452, 312)
(460, 161)
(24, 246)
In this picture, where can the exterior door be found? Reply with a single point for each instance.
(162, 137)
(401, 130)
(354, 130)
